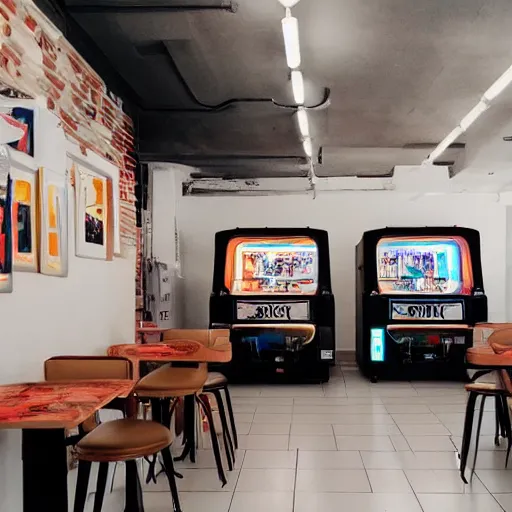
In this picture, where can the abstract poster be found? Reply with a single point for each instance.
(5, 222)
(94, 215)
(24, 220)
(53, 222)
(23, 118)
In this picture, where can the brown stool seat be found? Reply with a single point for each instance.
(215, 379)
(121, 440)
(168, 381)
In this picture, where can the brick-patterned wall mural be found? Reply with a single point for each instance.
(37, 60)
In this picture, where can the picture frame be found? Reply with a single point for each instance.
(53, 222)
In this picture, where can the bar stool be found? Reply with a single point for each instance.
(165, 386)
(215, 383)
(123, 441)
(486, 357)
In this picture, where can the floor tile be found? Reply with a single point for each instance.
(410, 460)
(430, 443)
(366, 430)
(496, 480)
(415, 419)
(437, 481)
(454, 417)
(262, 442)
(244, 417)
(326, 419)
(256, 400)
(407, 409)
(277, 459)
(272, 418)
(312, 443)
(490, 460)
(332, 480)
(244, 408)
(244, 391)
(486, 444)
(243, 428)
(329, 460)
(365, 419)
(365, 443)
(388, 481)
(309, 429)
(257, 501)
(204, 460)
(400, 443)
(162, 502)
(266, 480)
(292, 391)
(459, 503)
(447, 408)
(430, 429)
(274, 409)
(340, 409)
(197, 480)
(505, 500)
(270, 428)
(363, 502)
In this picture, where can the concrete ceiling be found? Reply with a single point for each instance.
(401, 74)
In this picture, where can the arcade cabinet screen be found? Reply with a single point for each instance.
(273, 265)
(424, 265)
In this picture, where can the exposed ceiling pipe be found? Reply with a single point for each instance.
(122, 7)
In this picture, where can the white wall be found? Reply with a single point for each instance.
(45, 316)
(345, 215)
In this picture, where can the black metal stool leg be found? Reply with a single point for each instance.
(189, 436)
(231, 416)
(508, 427)
(466, 436)
(228, 444)
(169, 471)
(477, 441)
(101, 484)
(134, 501)
(497, 415)
(82, 485)
(215, 442)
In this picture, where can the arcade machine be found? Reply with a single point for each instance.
(272, 287)
(419, 292)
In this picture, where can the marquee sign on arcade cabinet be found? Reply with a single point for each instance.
(419, 292)
(273, 288)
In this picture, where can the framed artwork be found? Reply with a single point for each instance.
(22, 118)
(94, 215)
(5, 222)
(53, 221)
(24, 220)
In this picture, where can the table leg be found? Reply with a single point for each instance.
(45, 485)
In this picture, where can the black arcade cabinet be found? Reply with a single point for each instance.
(272, 288)
(419, 292)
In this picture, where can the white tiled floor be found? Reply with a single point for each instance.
(348, 445)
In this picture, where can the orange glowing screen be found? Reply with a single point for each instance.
(424, 265)
(53, 234)
(274, 265)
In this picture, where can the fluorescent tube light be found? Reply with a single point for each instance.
(444, 144)
(308, 147)
(500, 85)
(473, 114)
(298, 87)
(291, 39)
(302, 119)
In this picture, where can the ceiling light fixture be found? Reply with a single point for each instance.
(474, 114)
(288, 3)
(291, 39)
(500, 85)
(298, 87)
(302, 119)
(308, 147)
